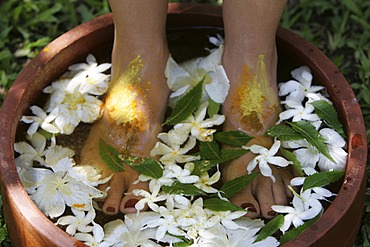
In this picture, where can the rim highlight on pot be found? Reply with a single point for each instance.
(27, 226)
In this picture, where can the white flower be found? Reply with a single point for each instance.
(31, 152)
(57, 91)
(266, 156)
(297, 112)
(149, 198)
(305, 207)
(183, 175)
(79, 222)
(40, 119)
(58, 188)
(297, 89)
(74, 109)
(227, 218)
(181, 79)
(166, 224)
(171, 152)
(335, 145)
(96, 239)
(309, 156)
(245, 236)
(55, 153)
(205, 182)
(133, 231)
(89, 77)
(197, 125)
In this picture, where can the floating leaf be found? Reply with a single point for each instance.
(182, 189)
(270, 228)
(322, 179)
(186, 105)
(213, 108)
(146, 166)
(233, 138)
(234, 186)
(182, 244)
(292, 157)
(289, 235)
(328, 113)
(308, 131)
(210, 150)
(110, 156)
(230, 154)
(217, 204)
(284, 133)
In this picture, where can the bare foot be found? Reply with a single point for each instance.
(133, 113)
(253, 106)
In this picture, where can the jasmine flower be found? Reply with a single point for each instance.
(266, 156)
(40, 119)
(79, 222)
(205, 182)
(181, 78)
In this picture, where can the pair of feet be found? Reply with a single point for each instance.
(134, 111)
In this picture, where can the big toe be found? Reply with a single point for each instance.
(129, 201)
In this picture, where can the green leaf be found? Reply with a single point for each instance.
(230, 154)
(292, 157)
(213, 108)
(183, 189)
(210, 150)
(110, 156)
(203, 166)
(308, 131)
(181, 244)
(270, 228)
(328, 113)
(217, 204)
(322, 179)
(146, 166)
(232, 138)
(284, 133)
(289, 235)
(186, 105)
(234, 186)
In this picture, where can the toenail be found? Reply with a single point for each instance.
(271, 213)
(250, 207)
(131, 203)
(111, 209)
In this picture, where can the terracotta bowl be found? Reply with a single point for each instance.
(29, 227)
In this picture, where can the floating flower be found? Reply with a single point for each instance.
(181, 78)
(197, 126)
(183, 175)
(296, 90)
(28, 153)
(171, 152)
(132, 231)
(305, 207)
(205, 182)
(149, 198)
(266, 156)
(297, 112)
(78, 222)
(96, 239)
(40, 119)
(89, 77)
(58, 189)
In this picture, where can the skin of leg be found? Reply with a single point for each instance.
(137, 96)
(252, 106)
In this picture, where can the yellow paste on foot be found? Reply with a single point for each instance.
(124, 96)
(256, 98)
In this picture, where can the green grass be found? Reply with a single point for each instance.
(340, 28)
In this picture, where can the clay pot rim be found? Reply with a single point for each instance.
(345, 98)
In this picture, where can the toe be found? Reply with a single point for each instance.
(129, 201)
(117, 187)
(246, 200)
(265, 196)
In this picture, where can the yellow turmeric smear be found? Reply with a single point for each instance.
(256, 98)
(125, 95)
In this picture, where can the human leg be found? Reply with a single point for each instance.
(250, 61)
(136, 100)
